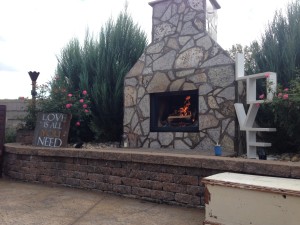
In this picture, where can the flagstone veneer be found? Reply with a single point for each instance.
(182, 56)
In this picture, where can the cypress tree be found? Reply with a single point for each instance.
(99, 67)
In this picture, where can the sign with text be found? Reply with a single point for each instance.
(52, 130)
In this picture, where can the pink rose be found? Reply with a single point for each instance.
(286, 89)
(267, 75)
(68, 105)
(86, 111)
(84, 106)
(279, 95)
(77, 124)
(262, 96)
(84, 92)
(69, 95)
(285, 96)
(81, 100)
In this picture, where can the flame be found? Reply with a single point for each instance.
(184, 111)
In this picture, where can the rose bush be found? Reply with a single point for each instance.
(54, 96)
(284, 114)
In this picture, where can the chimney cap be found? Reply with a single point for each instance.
(152, 3)
(213, 2)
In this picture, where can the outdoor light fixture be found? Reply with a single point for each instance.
(33, 76)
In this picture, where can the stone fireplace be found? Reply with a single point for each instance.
(175, 111)
(180, 93)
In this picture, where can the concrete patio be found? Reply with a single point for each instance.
(26, 203)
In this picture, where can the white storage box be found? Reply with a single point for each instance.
(239, 199)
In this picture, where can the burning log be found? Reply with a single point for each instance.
(183, 114)
(177, 119)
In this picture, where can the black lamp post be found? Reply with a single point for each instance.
(33, 76)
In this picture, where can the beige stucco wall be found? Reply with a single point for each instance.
(15, 111)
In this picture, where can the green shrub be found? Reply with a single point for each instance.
(10, 135)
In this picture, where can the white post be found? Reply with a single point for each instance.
(246, 121)
(239, 65)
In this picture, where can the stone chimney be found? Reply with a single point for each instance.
(173, 18)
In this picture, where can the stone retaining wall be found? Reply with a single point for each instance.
(153, 175)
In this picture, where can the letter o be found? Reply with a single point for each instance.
(49, 117)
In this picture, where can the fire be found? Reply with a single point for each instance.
(184, 111)
(182, 116)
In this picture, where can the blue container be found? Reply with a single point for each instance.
(218, 150)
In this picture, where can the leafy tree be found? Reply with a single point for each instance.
(250, 64)
(99, 66)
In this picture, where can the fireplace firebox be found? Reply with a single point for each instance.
(174, 111)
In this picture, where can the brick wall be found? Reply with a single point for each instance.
(162, 177)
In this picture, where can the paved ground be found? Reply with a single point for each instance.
(34, 204)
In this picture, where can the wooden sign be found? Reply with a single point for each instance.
(52, 130)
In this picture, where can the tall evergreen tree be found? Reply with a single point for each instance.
(99, 67)
(279, 48)
(279, 51)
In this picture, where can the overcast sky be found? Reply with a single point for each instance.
(33, 32)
